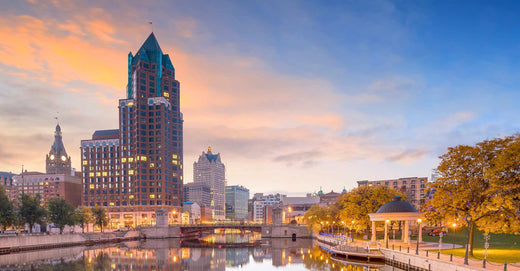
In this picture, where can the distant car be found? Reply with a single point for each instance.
(437, 232)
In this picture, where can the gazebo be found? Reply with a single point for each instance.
(396, 210)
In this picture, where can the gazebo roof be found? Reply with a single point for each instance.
(396, 206)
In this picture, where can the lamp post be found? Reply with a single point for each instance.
(352, 226)
(386, 231)
(453, 238)
(418, 235)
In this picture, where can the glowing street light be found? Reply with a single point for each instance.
(386, 231)
(418, 236)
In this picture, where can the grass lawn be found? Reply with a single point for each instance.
(502, 247)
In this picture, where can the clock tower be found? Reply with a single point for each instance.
(57, 161)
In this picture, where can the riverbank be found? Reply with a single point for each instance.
(12, 244)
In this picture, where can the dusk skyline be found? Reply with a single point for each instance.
(293, 95)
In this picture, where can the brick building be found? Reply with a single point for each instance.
(412, 187)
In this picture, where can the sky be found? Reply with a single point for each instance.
(294, 95)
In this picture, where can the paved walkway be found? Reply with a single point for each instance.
(425, 251)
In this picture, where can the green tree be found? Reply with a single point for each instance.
(31, 210)
(7, 214)
(60, 212)
(99, 216)
(361, 201)
(464, 190)
(82, 217)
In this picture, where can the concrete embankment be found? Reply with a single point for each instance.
(9, 244)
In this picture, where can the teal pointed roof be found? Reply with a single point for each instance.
(150, 51)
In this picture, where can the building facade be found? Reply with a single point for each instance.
(210, 170)
(261, 201)
(237, 197)
(412, 187)
(137, 169)
(197, 192)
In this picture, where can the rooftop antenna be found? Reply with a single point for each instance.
(151, 25)
(56, 118)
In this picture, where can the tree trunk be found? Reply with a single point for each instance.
(30, 228)
(61, 230)
(471, 237)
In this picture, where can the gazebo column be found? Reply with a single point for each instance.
(373, 231)
(405, 232)
(386, 232)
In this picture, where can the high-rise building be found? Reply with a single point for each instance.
(236, 202)
(412, 187)
(210, 170)
(58, 182)
(137, 169)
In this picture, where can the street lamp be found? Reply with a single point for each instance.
(386, 231)
(453, 238)
(418, 235)
(352, 238)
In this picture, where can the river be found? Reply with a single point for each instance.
(173, 254)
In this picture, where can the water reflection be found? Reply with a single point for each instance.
(171, 254)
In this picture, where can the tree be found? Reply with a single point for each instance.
(7, 215)
(361, 201)
(82, 217)
(100, 216)
(464, 188)
(60, 212)
(316, 216)
(30, 210)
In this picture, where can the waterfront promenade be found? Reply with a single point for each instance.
(427, 258)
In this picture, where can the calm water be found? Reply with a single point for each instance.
(170, 254)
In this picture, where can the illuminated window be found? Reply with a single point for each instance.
(98, 173)
(105, 173)
(152, 196)
(175, 162)
(85, 162)
(123, 160)
(91, 186)
(91, 174)
(131, 159)
(131, 172)
(166, 94)
(131, 196)
(111, 204)
(152, 165)
(174, 156)
(143, 158)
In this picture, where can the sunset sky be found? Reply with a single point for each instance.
(294, 94)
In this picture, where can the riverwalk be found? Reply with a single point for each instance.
(426, 257)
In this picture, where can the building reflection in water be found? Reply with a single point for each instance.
(169, 254)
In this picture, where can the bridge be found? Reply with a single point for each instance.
(266, 230)
(193, 228)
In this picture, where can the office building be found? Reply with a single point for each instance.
(137, 169)
(197, 192)
(210, 170)
(260, 201)
(236, 202)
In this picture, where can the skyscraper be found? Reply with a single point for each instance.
(137, 169)
(210, 170)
